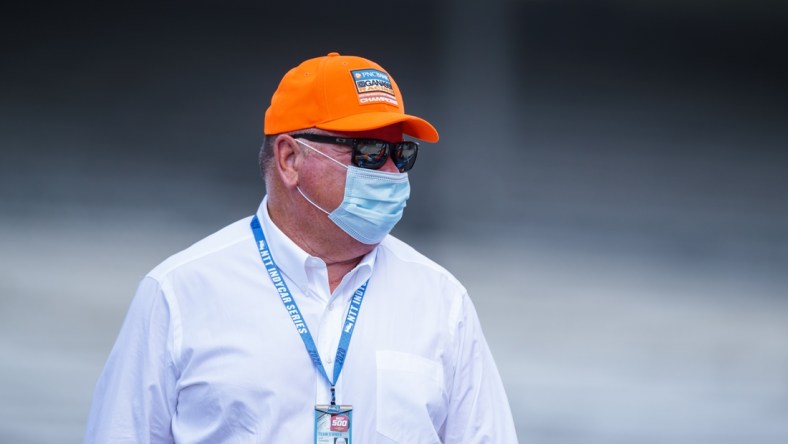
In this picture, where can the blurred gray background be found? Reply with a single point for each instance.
(610, 185)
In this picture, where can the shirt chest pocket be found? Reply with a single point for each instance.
(411, 401)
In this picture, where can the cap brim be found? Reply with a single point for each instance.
(411, 125)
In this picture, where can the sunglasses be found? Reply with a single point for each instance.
(372, 153)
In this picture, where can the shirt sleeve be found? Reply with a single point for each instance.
(135, 396)
(479, 409)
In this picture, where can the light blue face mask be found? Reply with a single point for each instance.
(374, 201)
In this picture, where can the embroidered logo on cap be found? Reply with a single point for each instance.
(373, 86)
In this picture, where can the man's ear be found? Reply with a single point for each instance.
(288, 156)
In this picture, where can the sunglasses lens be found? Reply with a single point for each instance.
(370, 155)
(374, 154)
(405, 155)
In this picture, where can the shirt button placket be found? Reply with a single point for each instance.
(330, 329)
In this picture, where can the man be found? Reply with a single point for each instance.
(308, 322)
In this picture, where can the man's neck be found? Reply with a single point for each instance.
(340, 252)
(338, 270)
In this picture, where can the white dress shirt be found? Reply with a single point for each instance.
(208, 352)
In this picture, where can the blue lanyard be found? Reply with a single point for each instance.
(295, 314)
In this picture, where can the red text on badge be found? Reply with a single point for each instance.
(339, 423)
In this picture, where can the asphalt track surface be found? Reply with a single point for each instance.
(593, 346)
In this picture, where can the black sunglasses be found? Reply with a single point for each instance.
(372, 153)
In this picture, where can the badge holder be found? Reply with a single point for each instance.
(333, 423)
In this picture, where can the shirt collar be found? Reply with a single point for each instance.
(302, 268)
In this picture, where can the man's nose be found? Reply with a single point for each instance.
(389, 166)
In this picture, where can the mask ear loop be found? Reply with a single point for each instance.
(322, 153)
(326, 156)
(310, 200)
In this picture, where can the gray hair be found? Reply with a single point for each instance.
(266, 157)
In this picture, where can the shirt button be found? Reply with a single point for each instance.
(330, 307)
(329, 360)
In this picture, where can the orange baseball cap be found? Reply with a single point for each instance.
(341, 93)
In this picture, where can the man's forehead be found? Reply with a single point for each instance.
(391, 133)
